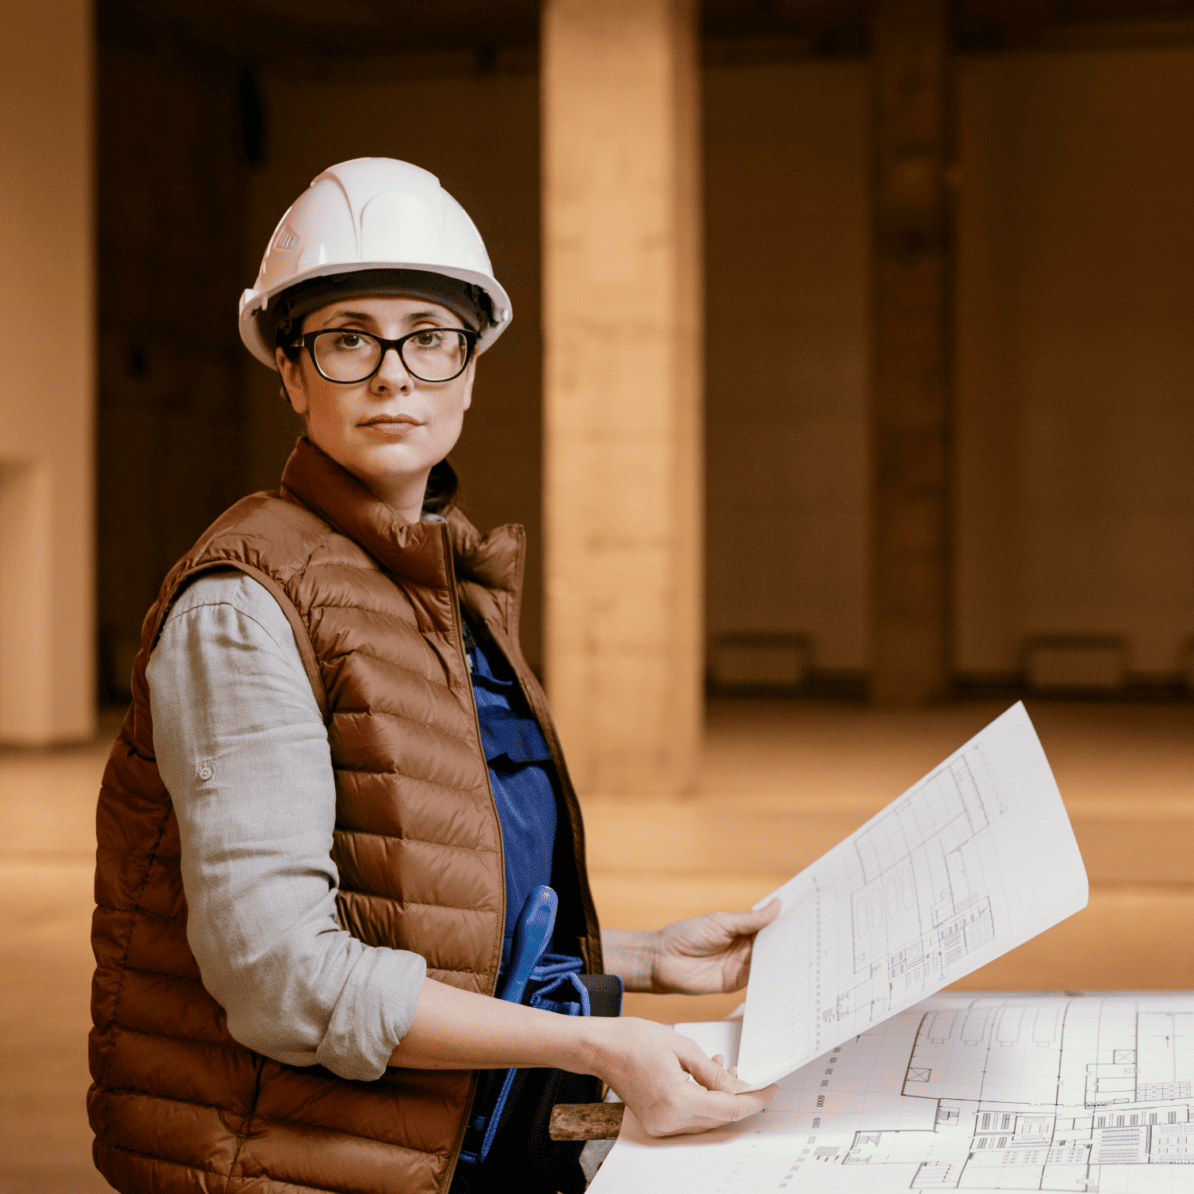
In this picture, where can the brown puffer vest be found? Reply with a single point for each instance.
(176, 1104)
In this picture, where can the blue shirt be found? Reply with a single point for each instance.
(520, 773)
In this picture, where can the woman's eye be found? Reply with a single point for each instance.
(429, 339)
(348, 340)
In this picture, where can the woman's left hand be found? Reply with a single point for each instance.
(705, 954)
(696, 956)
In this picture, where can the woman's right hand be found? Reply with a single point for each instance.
(663, 1077)
(666, 1079)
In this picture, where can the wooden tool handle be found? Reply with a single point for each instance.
(585, 1121)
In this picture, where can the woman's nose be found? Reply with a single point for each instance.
(391, 374)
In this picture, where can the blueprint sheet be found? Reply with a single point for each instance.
(975, 859)
(977, 1092)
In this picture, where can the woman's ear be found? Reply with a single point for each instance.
(291, 371)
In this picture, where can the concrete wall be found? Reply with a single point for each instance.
(171, 438)
(786, 434)
(1076, 354)
(1074, 499)
(47, 379)
(623, 304)
(1074, 507)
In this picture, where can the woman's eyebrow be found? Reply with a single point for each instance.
(359, 316)
(366, 317)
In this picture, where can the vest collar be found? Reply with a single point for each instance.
(417, 551)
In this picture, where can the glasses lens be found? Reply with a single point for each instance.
(345, 355)
(438, 354)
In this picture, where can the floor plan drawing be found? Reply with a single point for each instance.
(992, 1092)
(1043, 1094)
(974, 859)
(931, 889)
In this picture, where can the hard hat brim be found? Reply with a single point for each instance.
(254, 302)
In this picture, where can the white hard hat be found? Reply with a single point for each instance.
(370, 214)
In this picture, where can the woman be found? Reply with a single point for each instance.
(338, 756)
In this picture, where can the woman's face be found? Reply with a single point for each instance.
(390, 430)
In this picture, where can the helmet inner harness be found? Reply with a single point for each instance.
(466, 300)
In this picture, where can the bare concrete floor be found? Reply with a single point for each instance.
(783, 783)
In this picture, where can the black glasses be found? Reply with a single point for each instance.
(348, 356)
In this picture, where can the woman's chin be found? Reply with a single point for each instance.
(388, 469)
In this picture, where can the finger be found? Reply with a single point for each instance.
(727, 1083)
(739, 1104)
(708, 1071)
(746, 924)
(713, 1108)
(757, 918)
(753, 1101)
(711, 1074)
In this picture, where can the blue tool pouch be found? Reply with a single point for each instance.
(555, 985)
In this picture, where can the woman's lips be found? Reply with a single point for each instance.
(396, 425)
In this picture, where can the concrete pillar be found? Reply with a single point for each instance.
(47, 616)
(912, 358)
(622, 390)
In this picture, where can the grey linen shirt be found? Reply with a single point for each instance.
(244, 753)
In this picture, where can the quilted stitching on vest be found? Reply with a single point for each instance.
(176, 1104)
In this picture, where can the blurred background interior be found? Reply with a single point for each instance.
(848, 398)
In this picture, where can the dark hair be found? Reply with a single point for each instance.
(283, 317)
(442, 487)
